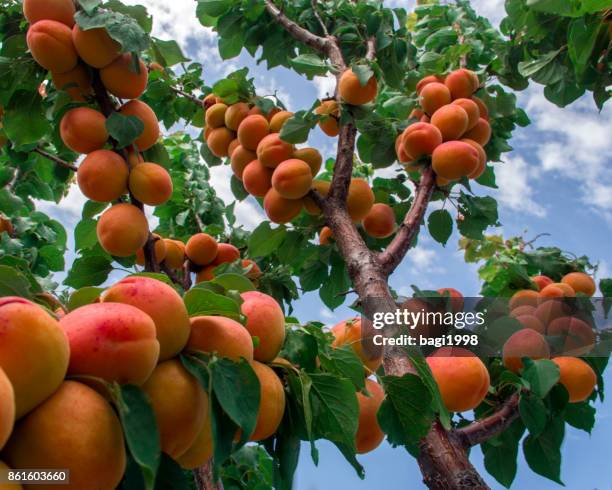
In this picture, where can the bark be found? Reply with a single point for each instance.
(204, 478)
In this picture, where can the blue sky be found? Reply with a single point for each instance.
(557, 180)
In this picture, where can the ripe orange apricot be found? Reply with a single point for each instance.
(420, 139)
(241, 157)
(256, 111)
(122, 79)
(462, 378)
(580, 283)
(179, 423)
(232, 146)
(252, 130)
(160, 251)
(360, 199)
(272, 402)
(175, 253)
(353, 92)
(400, 150)
(480, 133)
(253, 271)
(7, 408)
(59, 10)
(235, 114)
(322, 187)
(471, 109)
(530, 321)
(257, 179)
(266, 321)
(369, 434)
(201, 249)
(279, 209)
(76, 83)
(380, 221)
(219, 140)
(551, 309)
(312, 157)
(292, 179)
(272, 151)
(462, 83)
(524, 297)
(524, 343)
(226, 253)
(112, 341)
(454, 159)
(150, 184)
(577, 376)
(433, 96)
(456, 298)
(83, 130)
(122, 230)
(206, 274)
(541, 281)
(142, 111)
(215, 116)
(325, 235)
(523, 310)
(482, 159)
(50, 43)
(102, 176)
(209, 101)
(278, 121)
(425, 81)
(34, 352)
(348, 332)
(558, 290)
(95, 46)
(482, 107)
(222, 335)
(162, 303)
(451, 120)
(202, 448)
(330, 123)
(576, 335)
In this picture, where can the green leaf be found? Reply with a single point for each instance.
(83, 296)
(580, 415)
(344, 362)
(24, 121)
(297, 128)
(581, 38)
(238, 189)
(531, 68)
(92, 208)
(563, 92)
(542, 375)
(13, 283)
(543, 453)
(333, 292)
(533, 413)
(478, 214)
(310, 65)
(234, 282)
(205, 302)
(230, 47)
(89, 5)
(85, 236)
(122, 28)
(171, 475)
(88, 271)
(137, 12)
(124, 129)
(286, 456)
(364, 73)
(500, 453)
(264, 240)
(168, 53)
(440, 225)
(214, 8)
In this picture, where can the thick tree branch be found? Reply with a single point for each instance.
(343, 169)
(57, 160)
(317, 43)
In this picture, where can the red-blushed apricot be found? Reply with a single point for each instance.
(272, 151)
(433, 96)
(266, 321)
(454, 159)
(59, 10)
(416, 113)
(257, 179)
(482, 158)
(292, 179)
(225, 336)
(353, 91)
(558, 290)
(272, 402)
(102, 176)
(76, 428)
(95, 46)
(400, 150)
(34, 352)
(360, 199)
(124, 80)
(150, 184)
(480, 133)
(50, 43)
(312, 157)
(577, 377)
(580, 283)
(241, 157)
(8, 486)
(322, 187)
(206, 274)
(134, 157)
(462, 83)
(226, 253)
(329, 124)
(252, 130)
(83, 130)
(201, 249)
(462, 378)
(577, 336)
(541, 281)
(551, 309)
(482, 107)
(420, 139)
(160, 251)
(524, 297)
(256, 111)
(113, 341)
(530, 321)
(348, 332)
(218, 141)
(232, 146)
(175, 253)
(178, 422)
(200, 452)
(380, 221)
(162, 303)
(215, 116)
(235, 114)
(122, 230)
(369, 434)
(7, 408)
(456, 298)
(425, 81)
(471, 109)
(523, 310)
(278, 121)
(325, 235)
(209, 101)
(76, 83)
(451, 120)
(142, 111)
(253, 271)
(524, 343)
(279, 209)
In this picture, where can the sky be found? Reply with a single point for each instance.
(557, 180)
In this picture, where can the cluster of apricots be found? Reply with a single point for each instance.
(133, 334)
(75, 57)
(453, 128)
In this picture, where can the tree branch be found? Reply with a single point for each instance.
(187, 95)
(204, 479)
(343, 169)
(53, 158)
(318, 17)
(317, 43)
(371, 52)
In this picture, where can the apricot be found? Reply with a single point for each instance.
(454, 159)
(360, 199)
(433, 96)
(292, 179)
(8, 486)
(580, 283)
(83, 130)
(451, 120)
(482, 107)
(400, 151)
(159, 246)
(142, 111)
(112, 341)
(312, 157)
(256, 111)
(218, 141)
(62, 432)
(122, 230)
(541, 281)
(271, 404)
(150, 184)
(280, 210)
(178, 423)
(232, 146)
(175, 253)
(76, 83)
(272, 113)
(278, 121)
(524, 343)
(420, 139)
(201, 249)
(59, 10)
(369, 434)
(322, 187)
(241, 157)
(257, 179)
(524, 297)
(325, 235)
(206, 274)
(530, 321)
(482, 159)
(235, 114)
(272, 151)
(34, 352)
(221, 335)
(348, 332)
(523, 310)
(551, 309)
(329, 124)
(122, 79)
(353, 91)
(471, 109)
(7, 408)
(577, 377)
(209, 101)
(380, 221)
(202, 448)
(103, 176)
(456, 298)
(480, 133)
(253, 270)
(425, 81)
(462, 83)
(577, 335)
(50, 43)
(226, 253)
(252, 130)
(266, 321)
(558, 290)
(215, 116)
(95, 46)
(162, 303)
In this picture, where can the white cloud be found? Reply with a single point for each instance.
(325, 85)
(326, 314)
(514, 179)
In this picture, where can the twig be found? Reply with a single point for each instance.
(53, 158)
(318, 17)
(187, 95)
(371, 52)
